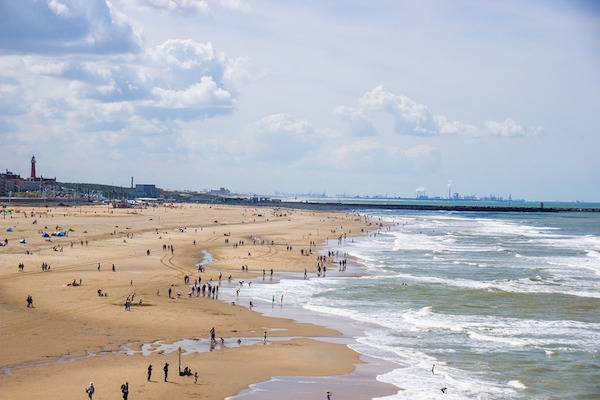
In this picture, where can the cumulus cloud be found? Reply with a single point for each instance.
(415, 119)
(236, 5)
(203, 94)
(179, 5)
(282, 137)
(358, 122)
(285, 124)
(58, 8)
(93, 26)
(510, 128)
(191, 6)
(179, 78)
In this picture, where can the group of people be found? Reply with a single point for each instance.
(305, 252)
(129, 301)
(168, 247)
(90, 390)
(186, 372)
(264, 273)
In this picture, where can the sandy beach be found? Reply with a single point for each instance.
(72, 336)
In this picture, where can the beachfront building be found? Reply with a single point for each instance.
(11, 183)
(8, 183)
(146, 190)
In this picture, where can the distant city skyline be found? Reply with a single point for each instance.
(353, 97)
(419, 192)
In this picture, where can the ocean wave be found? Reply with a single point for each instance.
(503, 331)
(413, 374)
(522, 285)
(497, 332)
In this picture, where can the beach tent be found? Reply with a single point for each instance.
(44, 234)
(60, 233)
(22, 241)
(8, 229)
(71, 230)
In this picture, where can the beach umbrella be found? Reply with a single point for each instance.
(71, 230)
(9, 230)
(45, 234)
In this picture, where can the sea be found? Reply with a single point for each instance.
(486, 305)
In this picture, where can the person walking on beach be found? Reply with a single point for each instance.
(149, 372)
(195, 377)
(212, 335)
(29, 301)
(90, 390)
(329, 396)
(166, 369)
(125, 390)
(265, 337)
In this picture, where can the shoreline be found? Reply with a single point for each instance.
(361, 383)
(95, 325)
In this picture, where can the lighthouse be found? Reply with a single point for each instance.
(32, 167)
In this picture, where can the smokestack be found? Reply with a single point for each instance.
(132, 182)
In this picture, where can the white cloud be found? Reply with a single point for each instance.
(359, 123)
(58, 8)
(415, 119)
(184, 75)
(236, 5)
(92, 27)
(205, 93)
(190, 6)
(185, 53)
(510, 128)
(411, 118)
(281, 138)
(446, 127)
(200, 6)
(285, 124)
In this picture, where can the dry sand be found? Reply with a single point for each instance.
(74, 321)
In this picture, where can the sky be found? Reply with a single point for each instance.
(358, 97)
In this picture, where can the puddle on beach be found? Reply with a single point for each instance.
(188, 346)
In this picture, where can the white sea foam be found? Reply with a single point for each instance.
(489, 332)
(516, 384)
(414, 377)
(523, 285)
(463, 254)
